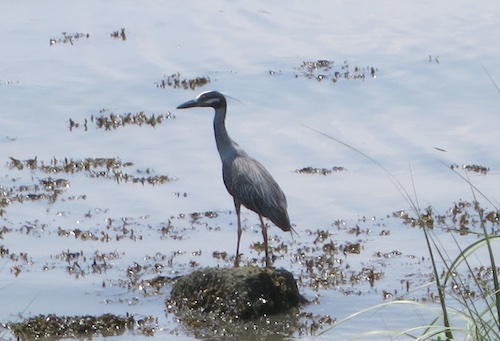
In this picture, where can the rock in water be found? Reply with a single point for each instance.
(235, 293)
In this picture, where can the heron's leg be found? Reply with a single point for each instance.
(237, 259)
(264, 235)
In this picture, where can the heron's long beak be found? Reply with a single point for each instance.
(188, 104)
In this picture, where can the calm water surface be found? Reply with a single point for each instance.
(431, 105)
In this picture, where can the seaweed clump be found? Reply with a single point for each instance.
(472, 168)
(325, 69)
(53, 327)
(323, 171)
(321, 70)
(175, 81)
(68, 38)
(110, 168)
(111, 121)
(119, 34)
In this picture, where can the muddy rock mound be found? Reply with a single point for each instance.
(236, 293)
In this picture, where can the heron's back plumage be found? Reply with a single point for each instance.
(252, 186)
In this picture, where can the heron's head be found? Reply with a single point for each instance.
(212, 99)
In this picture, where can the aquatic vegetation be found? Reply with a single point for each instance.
(59, 327)
(466, 287)
(472, 168)
(320, 261)
(461, 218)
(321, 70)
(68, 38)
(110, 168)
(322, 171)
(51, 188)
(482, 317)
(108, 120)
(47, 189)
(325, 258)
(195, 216)
(175, 81)
(119, 34)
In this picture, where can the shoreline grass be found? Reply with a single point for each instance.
(481, 313)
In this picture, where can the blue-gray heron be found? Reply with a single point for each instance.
(245, 178)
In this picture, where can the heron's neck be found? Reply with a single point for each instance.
(227, 148)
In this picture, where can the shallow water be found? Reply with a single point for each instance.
(430, 105)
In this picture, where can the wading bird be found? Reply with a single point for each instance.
(245, 178)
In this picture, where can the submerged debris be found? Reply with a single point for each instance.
(68, 38)
(175, 81)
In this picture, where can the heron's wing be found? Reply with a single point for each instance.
(251, 185)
